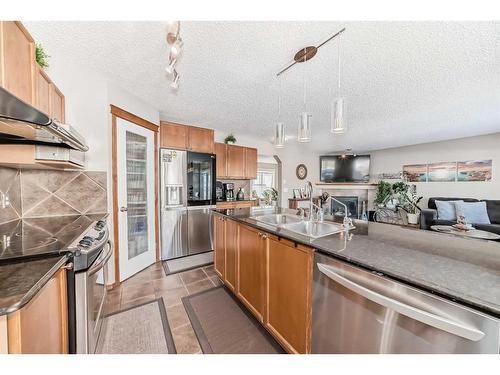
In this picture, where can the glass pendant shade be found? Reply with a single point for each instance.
(171, 66)
(305, 127)
(279, 137)
(337, 125)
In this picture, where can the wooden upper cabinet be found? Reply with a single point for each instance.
(288, 291)
(251, 270)
(200, 140)
(173, 135)
(220, 157)
(17, 61)
(250, 163)
(57, 105)
(43, 92)
(235, 161)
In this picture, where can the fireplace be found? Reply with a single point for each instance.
(350, 202)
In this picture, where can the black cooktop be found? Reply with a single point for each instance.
(36, 237)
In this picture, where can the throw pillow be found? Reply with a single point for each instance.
(446, 210)
(474, 212)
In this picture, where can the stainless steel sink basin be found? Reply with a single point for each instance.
(314, 229)
(277, 219)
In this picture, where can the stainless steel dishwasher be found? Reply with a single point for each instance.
(357, 311)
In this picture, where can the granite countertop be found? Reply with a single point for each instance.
(32, 250)
(462, 269)
(20, 281)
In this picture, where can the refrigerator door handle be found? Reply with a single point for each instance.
(440, 322)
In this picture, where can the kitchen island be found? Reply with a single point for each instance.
(461, 270)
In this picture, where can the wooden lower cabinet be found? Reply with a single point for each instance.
(231, 254)
(219, 225)
(41, 326)
(288, 293)
(251, 270)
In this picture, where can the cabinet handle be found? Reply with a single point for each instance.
(264, 236)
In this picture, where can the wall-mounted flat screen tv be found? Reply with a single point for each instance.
(345, 168)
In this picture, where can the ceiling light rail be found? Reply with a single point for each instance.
(307, 53)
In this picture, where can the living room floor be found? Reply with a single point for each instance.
(152, 283)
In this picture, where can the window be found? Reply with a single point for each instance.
(266, 179)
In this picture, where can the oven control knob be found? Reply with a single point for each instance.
(100, 225)
(85, 243)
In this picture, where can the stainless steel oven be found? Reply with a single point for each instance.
(90, 295)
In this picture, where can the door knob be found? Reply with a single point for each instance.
(123, 209)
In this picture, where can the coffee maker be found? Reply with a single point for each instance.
(228, 191)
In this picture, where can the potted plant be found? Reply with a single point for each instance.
(230, 139)
(384, 193)
(41, 56)
(270, 196)
(410, 204)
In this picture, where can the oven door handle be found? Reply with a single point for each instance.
(99, 265)
(454, 327)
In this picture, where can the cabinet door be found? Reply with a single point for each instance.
(251, 270)
(231, 253)
(201, 140)
(17, 61)
(235, 161)
(220, 157)
(57, 110)
(251, 163)
(220, 245)
(173, 135)
(43, 92)
(289, 283)
(41, 326)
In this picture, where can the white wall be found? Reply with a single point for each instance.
(472, 148)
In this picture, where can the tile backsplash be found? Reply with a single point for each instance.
(40, 193)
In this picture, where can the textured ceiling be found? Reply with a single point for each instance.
(403, 83)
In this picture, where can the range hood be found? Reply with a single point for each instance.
(23, 124)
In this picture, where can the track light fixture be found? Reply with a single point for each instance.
(175, 43)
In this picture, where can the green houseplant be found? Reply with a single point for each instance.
(270, 196)
(230, 139)
(41, 56)
(384, 193)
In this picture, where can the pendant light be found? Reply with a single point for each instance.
(304, 134)
(337, 123)
(279, 136)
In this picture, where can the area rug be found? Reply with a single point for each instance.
(224, 326)
(141, 329)
(188, 263)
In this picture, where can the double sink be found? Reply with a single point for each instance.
(295, 224)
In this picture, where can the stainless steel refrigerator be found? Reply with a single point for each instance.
(186, 199)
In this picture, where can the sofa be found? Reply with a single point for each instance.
(429, 216)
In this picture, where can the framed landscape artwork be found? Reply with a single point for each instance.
(415, 173)
(474, 170)
(442, 172)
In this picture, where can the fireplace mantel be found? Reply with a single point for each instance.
(347, 185)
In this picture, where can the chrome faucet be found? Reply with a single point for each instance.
(309, 189)
(347, 222)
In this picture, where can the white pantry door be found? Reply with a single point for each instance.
(136, 200)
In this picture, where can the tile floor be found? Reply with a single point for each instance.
(152, 283)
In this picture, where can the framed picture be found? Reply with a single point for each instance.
(415, 172)
(474, 170)
(296, 193)
(442, 172)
